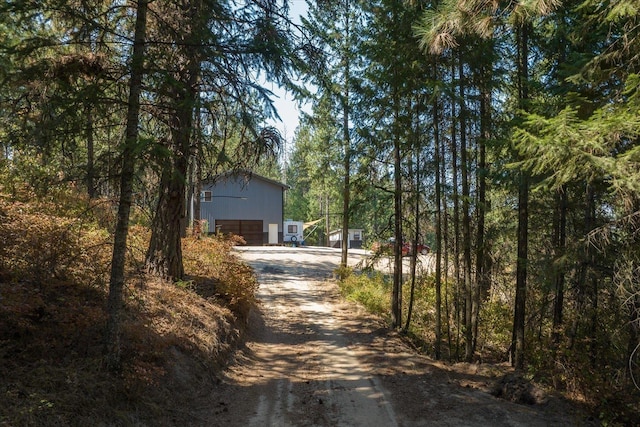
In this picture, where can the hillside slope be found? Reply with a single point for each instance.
(54, 261)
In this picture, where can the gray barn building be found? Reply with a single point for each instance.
(245, 204)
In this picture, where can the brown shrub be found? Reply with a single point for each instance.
(218, 273)
(38, 244)
(54, 265)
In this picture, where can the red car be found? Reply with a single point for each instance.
(422, 249)
(387, 247)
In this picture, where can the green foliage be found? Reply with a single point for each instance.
(423, 314)
(574, 149)
(496, 325)
(372, 291)
(313, 174)
(64, 81)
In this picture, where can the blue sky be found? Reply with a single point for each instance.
(283, 101)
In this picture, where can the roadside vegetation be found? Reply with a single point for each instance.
(54, 270)
(607, 391)
(503, 135)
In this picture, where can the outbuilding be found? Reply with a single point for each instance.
(245, 204)
(355, 238)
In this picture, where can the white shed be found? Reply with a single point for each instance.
(355, 238)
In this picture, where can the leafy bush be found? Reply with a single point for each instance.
(496, 318)
(370, 290)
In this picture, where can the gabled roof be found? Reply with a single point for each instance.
(247, 175)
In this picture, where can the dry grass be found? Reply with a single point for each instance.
(54, 263)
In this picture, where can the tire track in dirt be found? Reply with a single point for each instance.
(309, 373)
(312, 359)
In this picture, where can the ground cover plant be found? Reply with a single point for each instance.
(605, 390)
(54, 266)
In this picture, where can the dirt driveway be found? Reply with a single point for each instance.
(312, 359)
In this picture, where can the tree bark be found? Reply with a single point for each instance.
(439, 225)
(590, 222)
(445, 245)
(164, 255)
(633, 345)
(518, 337)
(197, 182)
(560, 239)
(483, 263)
(481, 252)
(417, 175)
(116, 281)
(327, 219)
(396, 299)
(456, 220)
(466, 220)
(91, 186)
(346, 193)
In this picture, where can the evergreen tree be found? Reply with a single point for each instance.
(199, 30)
(129, 154)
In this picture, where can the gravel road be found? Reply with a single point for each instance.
(312, 359)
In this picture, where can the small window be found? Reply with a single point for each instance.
(292, 229)
(206, 196)
(356, 235)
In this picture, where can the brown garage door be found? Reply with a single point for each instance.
(250, 230)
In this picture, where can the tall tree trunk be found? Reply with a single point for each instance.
(417, 175)
(164, 255)
(466, 218)
(518, 337)
(396, 299)
(91, 184)
(630, 259)
(482, 256)
(590, 222)
(582, 290)
(414, 253)
(439, 225)
(456, 219)
(189, 201)
(560, 239)
(346, 192)
(197, 179)
(190, 194)
(482, 288)
(633, 345)
(116, 281)
(445, 245)
(193, 188)
(327, 219)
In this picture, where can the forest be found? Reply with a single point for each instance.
(503, 135)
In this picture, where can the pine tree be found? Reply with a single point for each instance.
(253, 38)
(131, 146)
